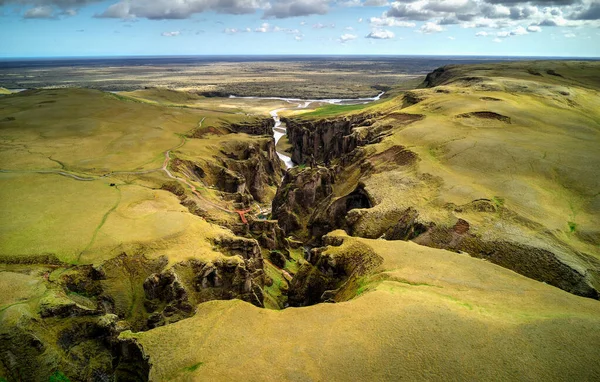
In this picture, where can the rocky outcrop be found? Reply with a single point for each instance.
(262, 126)
(305, 204)
(73, 329)
(243, 172)
(395, 224)
(438, 77)
(131, 362)
(334, 213)
(268, 233)
(77, 349)
(331, 276)
(172, 294)
(534, 262)
(542, 264)
(301, 191)
(321, 141)
(257, 165)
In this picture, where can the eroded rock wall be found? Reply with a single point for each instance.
(322, 141)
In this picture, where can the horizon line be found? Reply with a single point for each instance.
(11, 58)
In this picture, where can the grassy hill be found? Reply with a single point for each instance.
(423, 314)
(81, 172)
(521, 138)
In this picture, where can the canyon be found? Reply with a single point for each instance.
(447, 230)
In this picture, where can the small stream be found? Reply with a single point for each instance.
(279, 130)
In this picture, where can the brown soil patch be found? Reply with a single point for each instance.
(490, 99)
(203, 131)
(405, 117)
(397, 154)
(461, 226)
(485, 115)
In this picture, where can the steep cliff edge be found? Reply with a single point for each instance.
(408, 310)
(453, 169)
(246, 167)
(322, 141)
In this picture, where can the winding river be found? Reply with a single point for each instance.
(279, 129)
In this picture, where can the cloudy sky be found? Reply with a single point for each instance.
(40, 28)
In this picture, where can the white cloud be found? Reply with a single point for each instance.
(170, 34)
(264, 28)
(481, 34)
(518, 31)
(498, 14)
(183, 9)
(323, 26)
(43, 12)
(451, 38)
(236, 30)
(349, 3)
(390, 22)
(289, 8)
(497, 40)
(430, 27)
(380, 34)
(347, 37)
(376, 3)
(570, 35)
(298, 37)
(506, 15)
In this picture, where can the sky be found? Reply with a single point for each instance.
(63, 28)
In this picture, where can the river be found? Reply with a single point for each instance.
(279, 130)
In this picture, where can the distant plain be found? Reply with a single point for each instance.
(298, 77)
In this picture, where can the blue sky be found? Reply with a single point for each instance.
(46, 28)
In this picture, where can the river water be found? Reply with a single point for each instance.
(279, 129)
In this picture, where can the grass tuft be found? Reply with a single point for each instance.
(58, 377)
(194, 367)
(330, 110)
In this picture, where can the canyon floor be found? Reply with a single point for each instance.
(449, 231)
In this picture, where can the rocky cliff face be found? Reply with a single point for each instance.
(245, 171)
(329, 276)
(308, 206)
(324, 140)
(173, 293)
(538, 262)
(268, 233)
(257, 165)
(261, 126)
(302, 191)
(438, 76)
(75, 326)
